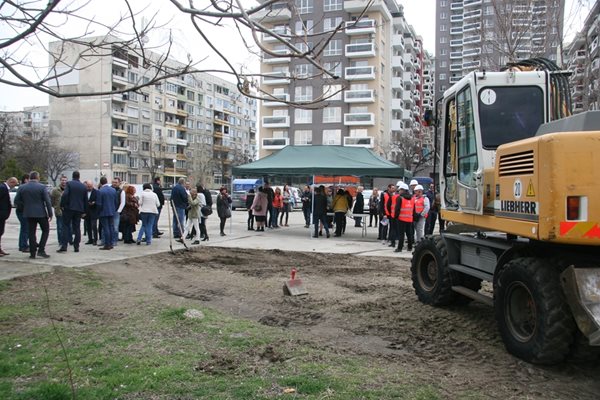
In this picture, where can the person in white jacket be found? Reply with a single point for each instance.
(422, 206)
(148, 207)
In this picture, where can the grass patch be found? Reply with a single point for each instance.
(154, 351)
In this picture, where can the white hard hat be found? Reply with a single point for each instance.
(418, 187)
(413, 182)
(399, 183)
(402, 185)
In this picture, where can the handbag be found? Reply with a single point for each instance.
(206, 211)
(258, 207)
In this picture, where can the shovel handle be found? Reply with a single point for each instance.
(293, 273)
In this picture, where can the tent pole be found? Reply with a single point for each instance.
(231, 194)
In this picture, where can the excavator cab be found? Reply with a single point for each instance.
(479, 113)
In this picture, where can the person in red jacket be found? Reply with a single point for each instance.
(404, 216)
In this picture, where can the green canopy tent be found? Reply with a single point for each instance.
(322, 160)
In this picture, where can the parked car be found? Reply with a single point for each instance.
(238, 199)
(12, 193)
(367, 195)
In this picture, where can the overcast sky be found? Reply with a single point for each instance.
(419, 13)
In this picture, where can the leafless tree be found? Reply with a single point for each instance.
(58, 160)
(36, 23)
(7, 136)
(516, 32)
(408, 152)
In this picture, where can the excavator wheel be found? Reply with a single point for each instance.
(533, 316)
(431, 275)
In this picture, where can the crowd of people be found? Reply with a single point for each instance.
(400, 212)
(108, 211)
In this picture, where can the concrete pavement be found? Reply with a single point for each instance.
(292, 238)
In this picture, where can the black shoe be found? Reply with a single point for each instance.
(76, 249)
(89, 242)
(328, 236)
(62, 250)
(370, 226)
(320, 233)
(397, 250)
(409, 248)
(196, 242)
(42, 254)
(223, 234)
(106, 248)
(205, 239)
(32, 256)
(25, 250)
(138, 243)
(160, 233)
(337, 235)
(392, 244)
(155, 237)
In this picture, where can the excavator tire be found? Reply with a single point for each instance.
(431, 275)
(533, 317)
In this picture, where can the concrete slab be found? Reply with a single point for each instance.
(292, 238)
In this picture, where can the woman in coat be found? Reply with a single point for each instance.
(259, 209)
(130, 214)
(194, 204)
(277, 205)
(148, 204)
(286, 198)
(373, 207)
(249, 201)
(223, 208)
(340, 207)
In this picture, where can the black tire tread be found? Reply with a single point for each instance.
(443, 294)
(558, 324)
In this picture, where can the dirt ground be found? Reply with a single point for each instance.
(356, 305)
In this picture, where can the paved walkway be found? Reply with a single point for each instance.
(292, 238)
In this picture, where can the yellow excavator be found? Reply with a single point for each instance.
(518, 181)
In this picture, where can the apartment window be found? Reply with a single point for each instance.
(443, 28)
(146, 129)
(443, 64)
(118, 158)
(157, 133)
(334, 68)
(443, 15)
(334, 48)
(132, 77)
(303, 70)
(329, 24)
(171, 133)
(442, 77)
(280, 134)
(133, 163)
(158, 116)
(304, 47)
(133, 112)
(132, 96)
(443, 3)
(303, 137)
(145, 114)
(146, 97)
(333, 5)
(303, 93)
(132, 129)
(332, 115)
(304, 27)
(332, 137)
(443, 39)
(332, 92)
(302, 116)
(171, 87)
(304, 6)
(443, 52)
(132, 145)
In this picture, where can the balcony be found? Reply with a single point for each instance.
(471, 39)
(276, 12)
(398, 62)
(456, 31)
(471, 27)
(471, 52)
(284, 32)
(276, 78)
(397, 125)
(120, 61)
(120, 79)
(280, 57)
(359, 73)
(119, 114)
(456, 43)
(360, 119)
(409, 43)
(472, 14)
(456, 6)
(471, 3)
(119, 132)
(273, 102)
(119, 149)
(397, 82)
(397, 104)
(456, 18)
(119, 97)
(361, 27)
(280, 121)
(182, 142)
(367, 141)
(398, 42)
(360, 50)
(358, 6)
(455, 67)
(275, 143)
(456, 55)
(407, 78)
(359, 96)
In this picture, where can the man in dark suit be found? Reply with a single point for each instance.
(5, 207)
(161, 199)
(73, 202)
(37, 208)
(179, 199)
(107, 203)
(91, 213)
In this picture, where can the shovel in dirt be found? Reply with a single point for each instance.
(294, 286)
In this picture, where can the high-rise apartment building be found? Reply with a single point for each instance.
(195, 126)
(583, 60)
(32, 121)
(374, 58)
(486, 34)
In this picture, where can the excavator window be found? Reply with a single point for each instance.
(509, 113)
(467, 143)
